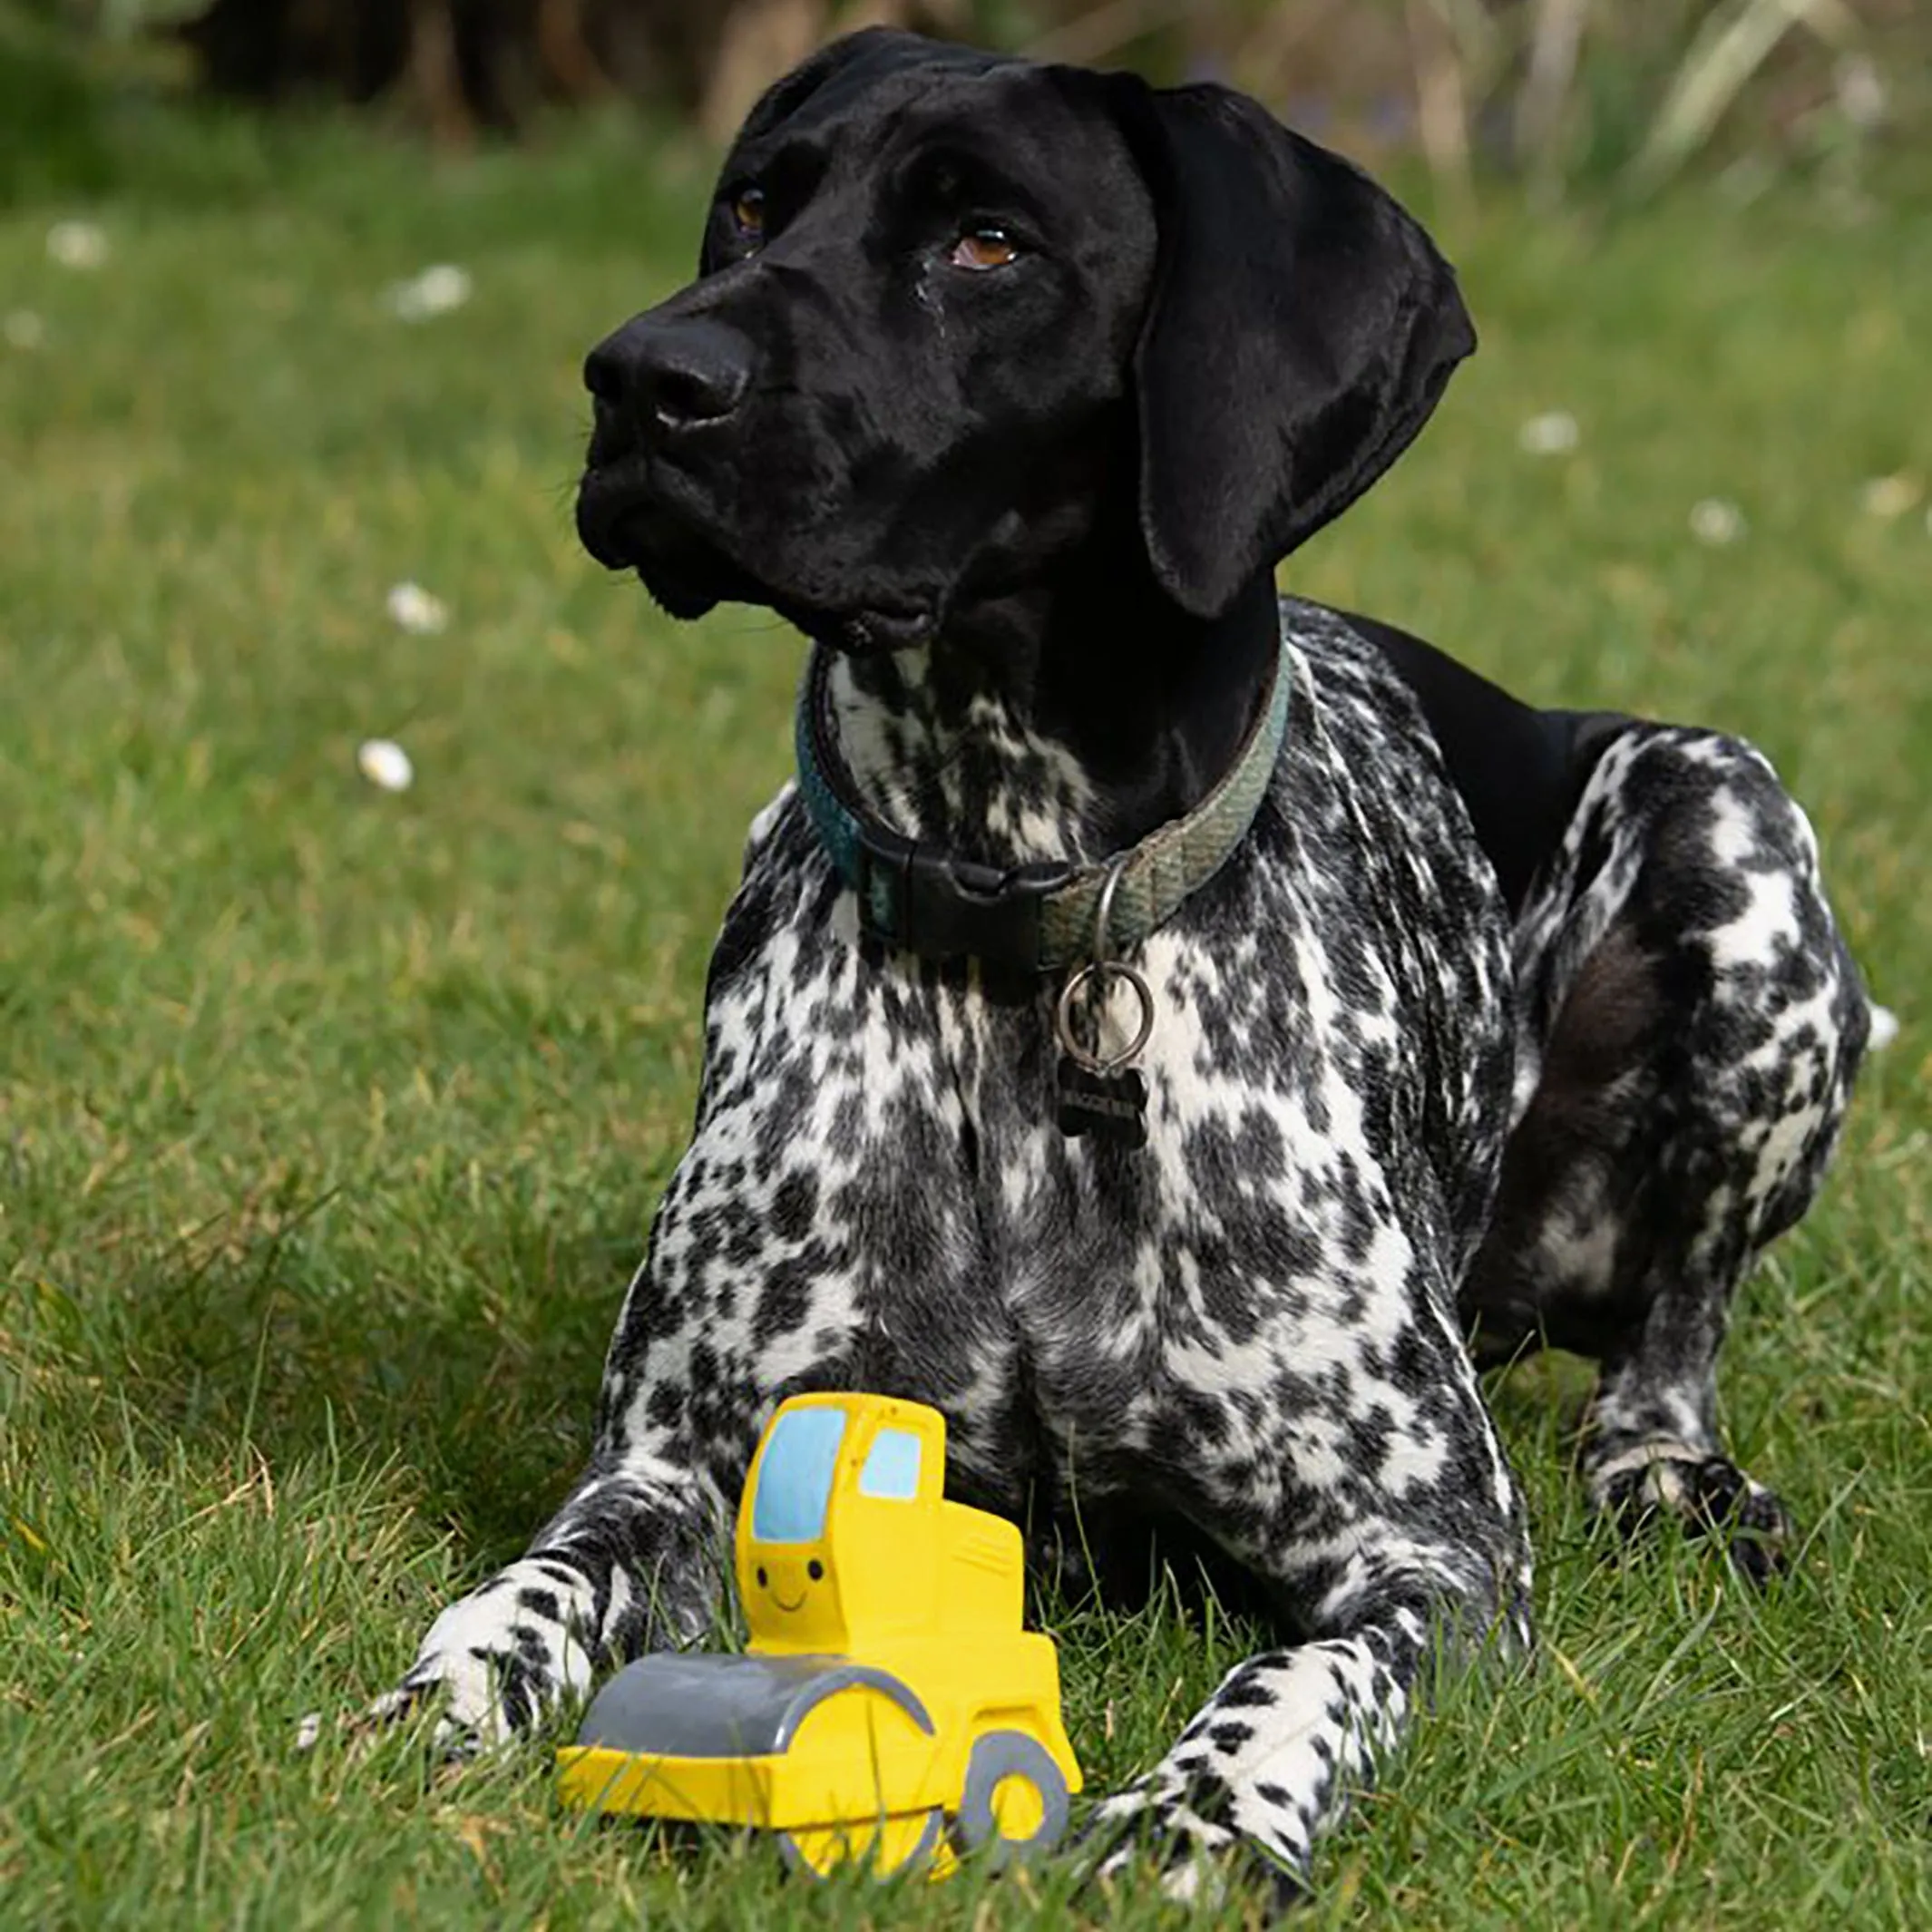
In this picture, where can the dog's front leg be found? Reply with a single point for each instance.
(1388, 1559)
(747, 1293)
(629, 1564)
(632, 1560)
(1267, 1764)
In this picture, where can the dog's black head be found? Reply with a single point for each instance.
(956, 312)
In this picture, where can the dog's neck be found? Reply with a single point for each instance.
(1067, 722)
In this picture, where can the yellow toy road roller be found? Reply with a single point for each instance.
(889, 1708)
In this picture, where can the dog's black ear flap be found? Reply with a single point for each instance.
(1299, 330)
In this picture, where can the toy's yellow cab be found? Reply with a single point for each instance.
(891, 1705)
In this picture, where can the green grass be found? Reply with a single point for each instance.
(333, 1120)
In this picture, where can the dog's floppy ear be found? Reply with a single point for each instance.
(1299, 330)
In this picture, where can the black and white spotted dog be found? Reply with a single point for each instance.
(1473, 1027)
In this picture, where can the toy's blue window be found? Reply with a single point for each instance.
(795, 1477)
(892, 1469)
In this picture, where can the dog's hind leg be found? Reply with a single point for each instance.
(1695, 1023)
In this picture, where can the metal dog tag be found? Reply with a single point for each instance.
(1097, 1095)
(1104, 1107)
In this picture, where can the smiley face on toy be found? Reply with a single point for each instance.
(788, 1581)
(774, 1576)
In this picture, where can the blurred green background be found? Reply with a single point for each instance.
(332, 1116)
(1597, 95)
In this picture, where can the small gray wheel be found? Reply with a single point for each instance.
(1014, 1805)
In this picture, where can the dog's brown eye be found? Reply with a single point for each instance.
(984, 248)
(747, 209)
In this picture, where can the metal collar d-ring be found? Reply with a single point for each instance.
(1102, 969)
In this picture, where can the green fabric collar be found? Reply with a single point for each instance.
(1034, 918)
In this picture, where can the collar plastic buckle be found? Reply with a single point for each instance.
(947, 908)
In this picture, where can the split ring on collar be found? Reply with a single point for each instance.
(1102, 971)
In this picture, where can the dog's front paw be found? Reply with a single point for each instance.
(1139, 1829)
(1199, 1860)
(479, 1702)
(471, 1711)
(492, 1667)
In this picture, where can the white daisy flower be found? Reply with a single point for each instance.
(1888, 497)
(77, 244)
(435, 292)
(386, 764)
(1717, 520)
(1552, 434)
(416, 610)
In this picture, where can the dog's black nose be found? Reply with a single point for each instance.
(674, 371)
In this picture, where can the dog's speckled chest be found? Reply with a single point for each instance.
(1146, 1316)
